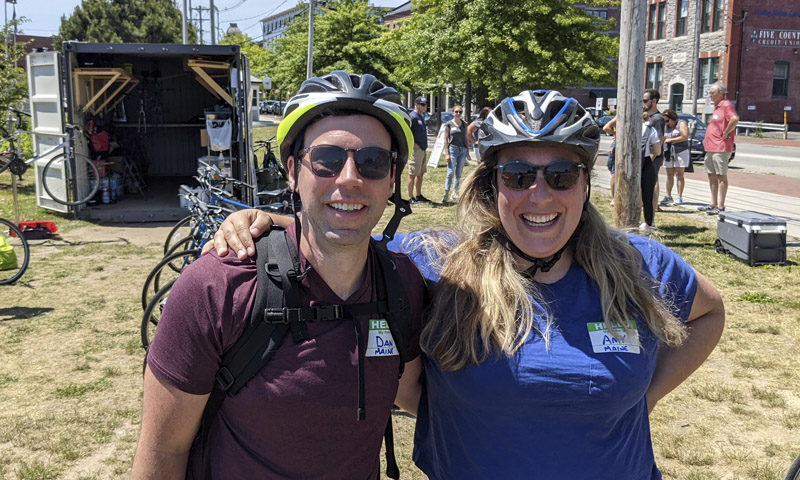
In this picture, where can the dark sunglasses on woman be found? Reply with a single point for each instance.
(559, 175)
(372, 163)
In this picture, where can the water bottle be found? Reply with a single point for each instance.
(106, 195)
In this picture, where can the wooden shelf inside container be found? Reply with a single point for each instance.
(104, 88)
(206, 70)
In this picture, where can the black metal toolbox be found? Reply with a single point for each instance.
(753, 237)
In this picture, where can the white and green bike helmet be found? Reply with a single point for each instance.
(342, 91)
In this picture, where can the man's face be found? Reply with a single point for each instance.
(341, 211)
(714, 94)
(647, 102)
(420, 107)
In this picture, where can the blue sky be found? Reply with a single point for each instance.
(45, 15)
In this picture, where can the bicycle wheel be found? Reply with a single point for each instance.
(794, 470)
(67, 184)
(195, 241)
(161, 274)
(181, 230)
(14, 253)
(152, 314)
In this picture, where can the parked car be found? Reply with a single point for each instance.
(697, 152)
(272, 107)
(602, 121)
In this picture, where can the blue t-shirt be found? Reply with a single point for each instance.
(577, 410)
(418, 130)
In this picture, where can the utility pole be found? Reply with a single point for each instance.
(212, 24)
(184, 23)
(628, 198)
(200, 22)
(310, 60)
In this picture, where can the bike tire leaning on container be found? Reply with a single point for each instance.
(152, 314)
(794, 470)
(21, 252)
(164, 272)
(61, 186)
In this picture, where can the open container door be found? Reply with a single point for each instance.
(248, 161)
(47, 119)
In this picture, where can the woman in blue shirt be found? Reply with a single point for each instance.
(551, 336)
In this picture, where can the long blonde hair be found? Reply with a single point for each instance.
(484, 305)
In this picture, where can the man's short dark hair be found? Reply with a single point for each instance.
(652, 93)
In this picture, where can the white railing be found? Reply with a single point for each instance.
(747, 126)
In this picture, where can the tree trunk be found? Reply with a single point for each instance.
(501, 90)
(628, 197)
(468, 101)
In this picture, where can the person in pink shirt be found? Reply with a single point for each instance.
(718, 145)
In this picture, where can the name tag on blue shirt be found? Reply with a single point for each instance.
(604, 341)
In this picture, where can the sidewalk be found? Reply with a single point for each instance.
(768, 194)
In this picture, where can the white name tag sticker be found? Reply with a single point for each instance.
(603, 341)
(380, 342)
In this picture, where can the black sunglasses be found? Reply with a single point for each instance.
(520, 175)
(372, 163)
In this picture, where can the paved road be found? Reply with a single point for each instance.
(774, 195)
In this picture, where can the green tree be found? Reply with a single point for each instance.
(13, 81)
(122, 21)
(256, 54)
(345, 38)
(507, 46)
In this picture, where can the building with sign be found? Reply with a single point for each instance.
(750, 45)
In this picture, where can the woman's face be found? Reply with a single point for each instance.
(670, 122)
(540, 219)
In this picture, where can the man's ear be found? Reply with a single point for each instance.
(290, 170)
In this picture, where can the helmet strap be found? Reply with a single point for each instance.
(401, 209)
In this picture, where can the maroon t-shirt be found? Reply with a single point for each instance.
(297, 418)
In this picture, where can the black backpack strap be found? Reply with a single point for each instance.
(398, 315)
(392, 293)
(260, 339)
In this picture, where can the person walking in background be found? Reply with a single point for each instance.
(472, 131)
(718, 145)
(676, 155)
(651, 148)
(457, 153)
(416, 162)
(650, 100)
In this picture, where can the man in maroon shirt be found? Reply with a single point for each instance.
(344, 140)
(718, 145)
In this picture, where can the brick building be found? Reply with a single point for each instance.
(750, 45)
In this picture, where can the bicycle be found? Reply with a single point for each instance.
(271, 175)
(794, 470)
(209, 194)
(14, 253)
(76, 170)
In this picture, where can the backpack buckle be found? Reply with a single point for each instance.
(328, 312)
(224, 379)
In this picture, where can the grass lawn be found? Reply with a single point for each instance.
(71, 361)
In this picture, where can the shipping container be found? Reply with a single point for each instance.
(145, 111)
